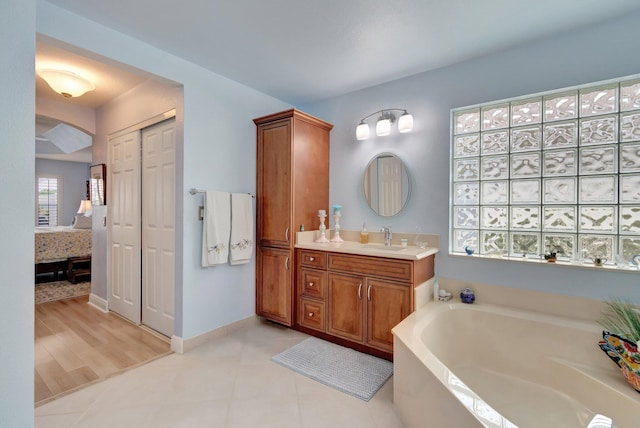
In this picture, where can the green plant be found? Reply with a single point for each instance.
(622, 318)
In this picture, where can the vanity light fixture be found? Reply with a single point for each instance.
(386, 118)
(65, 82)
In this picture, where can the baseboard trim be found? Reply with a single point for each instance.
(180, 345)
(99, 303)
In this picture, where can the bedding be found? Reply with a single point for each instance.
(54, 244)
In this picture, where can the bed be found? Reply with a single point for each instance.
(54, 246)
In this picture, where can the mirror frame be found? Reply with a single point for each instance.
(405, 175)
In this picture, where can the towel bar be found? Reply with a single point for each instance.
(195, 191)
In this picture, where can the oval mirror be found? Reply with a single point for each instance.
(386, 184)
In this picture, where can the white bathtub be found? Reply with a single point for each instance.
(459, 365)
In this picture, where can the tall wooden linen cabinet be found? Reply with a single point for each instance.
(292, 185)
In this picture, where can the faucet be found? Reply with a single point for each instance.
(387, 235)
(635, 260)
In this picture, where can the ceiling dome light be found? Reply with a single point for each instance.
(405, 123)
(362, 131)
(66, 83)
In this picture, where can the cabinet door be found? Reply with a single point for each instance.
(273, 285)
(388, 303)
(274, 184)
(346, 306)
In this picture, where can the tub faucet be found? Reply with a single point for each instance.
(387, 235)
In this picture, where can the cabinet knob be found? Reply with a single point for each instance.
(310, 314)
(311, 284)
(311, 259)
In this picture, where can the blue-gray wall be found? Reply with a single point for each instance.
(74, 177)
(592, 54)
(17, 148)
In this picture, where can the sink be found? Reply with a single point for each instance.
(381, 247)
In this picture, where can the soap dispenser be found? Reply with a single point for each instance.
(364, 234)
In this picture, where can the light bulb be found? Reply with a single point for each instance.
(405, 123)
(362, 131)
(383, 127)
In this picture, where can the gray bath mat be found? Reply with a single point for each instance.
(344, 369)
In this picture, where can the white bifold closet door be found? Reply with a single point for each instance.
(142, 226)
(124, 229)
(158, 226)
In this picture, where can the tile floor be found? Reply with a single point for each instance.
(228, 382)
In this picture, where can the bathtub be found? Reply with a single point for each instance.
(459, 365)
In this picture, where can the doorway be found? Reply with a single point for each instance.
(142, 223)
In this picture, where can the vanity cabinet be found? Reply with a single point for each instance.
(357, 299)
(292, 185)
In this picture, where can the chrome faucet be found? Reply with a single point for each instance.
(635, 260)
(387, 235)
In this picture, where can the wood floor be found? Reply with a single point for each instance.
(76, 344)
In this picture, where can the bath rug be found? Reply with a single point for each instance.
(58, 290)
(344, 369)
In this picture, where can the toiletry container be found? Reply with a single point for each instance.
(364, 234)
(467, 295)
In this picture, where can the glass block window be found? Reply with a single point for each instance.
(558, 171)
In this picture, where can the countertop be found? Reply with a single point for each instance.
(305, 240)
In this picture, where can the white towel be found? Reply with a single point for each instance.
(216, 228)
(241, 228)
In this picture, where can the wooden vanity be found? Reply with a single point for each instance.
(354, 299)
(345, 293)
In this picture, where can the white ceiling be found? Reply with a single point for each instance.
(302, 51)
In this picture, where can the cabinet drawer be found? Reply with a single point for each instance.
(312, 283)
(372, 266)
(311, 314)
(316, 259)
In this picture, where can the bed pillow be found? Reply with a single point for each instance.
(81, 222)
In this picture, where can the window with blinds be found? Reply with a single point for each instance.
(48, 198)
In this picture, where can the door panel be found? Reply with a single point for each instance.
(389, 185)
(274, 182)
(274, 297)
(346, 307)
(387, 305)
(158, 226)
(124, 227)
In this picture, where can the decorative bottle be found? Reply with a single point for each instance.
(364, 234)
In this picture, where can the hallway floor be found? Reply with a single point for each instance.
(76, 344)
(228, 382)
